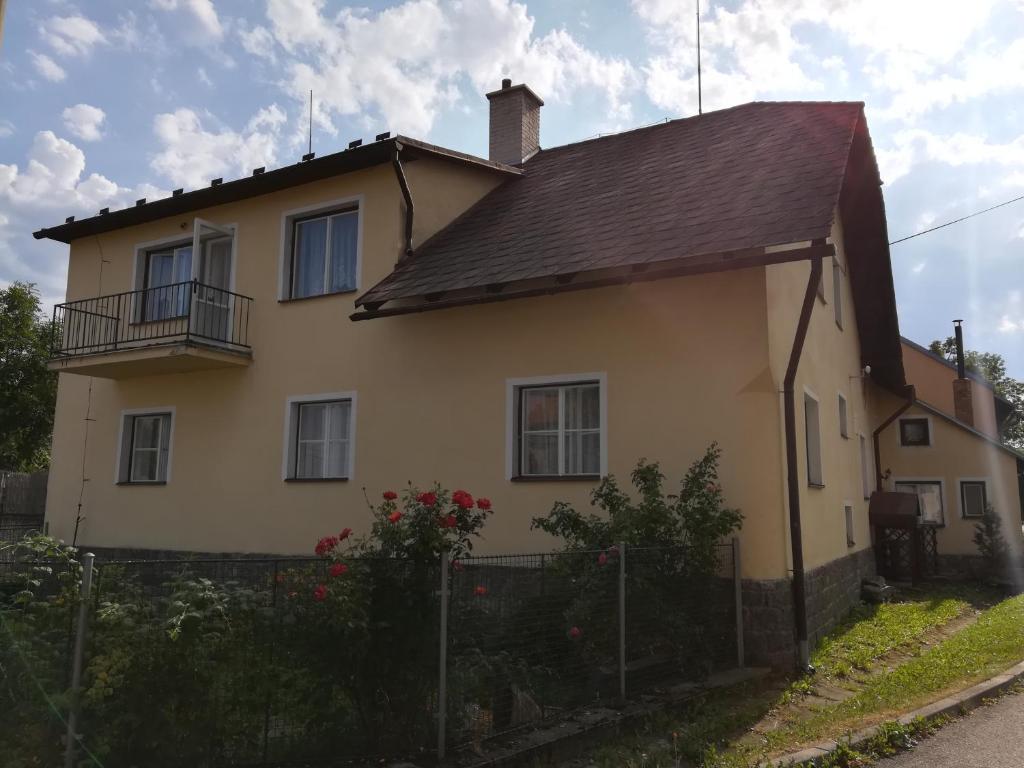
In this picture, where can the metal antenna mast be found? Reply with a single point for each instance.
(310, 120)
(700, 106)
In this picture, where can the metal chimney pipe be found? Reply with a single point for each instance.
(961, 365)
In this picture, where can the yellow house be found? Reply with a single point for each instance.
(944, 446)
(241, 363)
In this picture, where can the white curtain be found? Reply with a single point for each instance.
(310, 253)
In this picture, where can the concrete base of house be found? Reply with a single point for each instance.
(833, 589)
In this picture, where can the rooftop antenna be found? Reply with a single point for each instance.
(700, 106)
(310, 150)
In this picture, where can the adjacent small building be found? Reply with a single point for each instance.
(242, 364)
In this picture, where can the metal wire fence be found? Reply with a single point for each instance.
(247, 662)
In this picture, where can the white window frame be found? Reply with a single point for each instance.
(291, 425)
(837, 291)
(808, 394)
(867, 468)
(843, 406)
(512, 387)
(940, 481)
(284, 276)
(122, 477)
(985, 481)
(850, 522)
(899, 432)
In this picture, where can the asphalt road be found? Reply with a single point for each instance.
(989, 737)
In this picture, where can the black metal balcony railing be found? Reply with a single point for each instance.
(168, 314)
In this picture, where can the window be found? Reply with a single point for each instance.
(813, 428)
(865, 467)
(848, 513)
(915, 432)
(320, 430)
(145, 447)
(929, 499)
(166, 274)
(973, 498)
(559, 429)
(844, 428)
(837, 291)
(323, 253)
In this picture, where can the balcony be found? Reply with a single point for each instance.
(177, 328)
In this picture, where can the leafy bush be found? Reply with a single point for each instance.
(672, 544)
(991, 544)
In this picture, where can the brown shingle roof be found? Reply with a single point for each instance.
(753, 175)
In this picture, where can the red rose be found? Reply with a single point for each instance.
(480, 591)
(325, 545)
(390, 495)
(427, 498)
(395, 516)
(575, 633)
(344, 534)
(613, 550)
(602, 559)
(279, 578)
(462, 499)
(457, 566)
(320, 592)
(483, 503)
(338, 569)
(448, 522)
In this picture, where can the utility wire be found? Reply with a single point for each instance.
(956, 221)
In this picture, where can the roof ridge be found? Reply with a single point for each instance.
(676, 120)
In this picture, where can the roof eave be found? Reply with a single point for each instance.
(336, 164)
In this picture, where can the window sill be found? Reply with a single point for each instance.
(292, 299)
(819, 486)
(555, 478)
(316, 479)
(915, 445)
(142, 482)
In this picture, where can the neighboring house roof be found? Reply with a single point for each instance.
(967, 428)
(335, 164)
(973, 375)
(709, 192)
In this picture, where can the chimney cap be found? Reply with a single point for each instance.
(507, 88)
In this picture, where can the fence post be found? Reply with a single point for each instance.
(76, 665)
(442, 683)
(622, 620)
(737, 586)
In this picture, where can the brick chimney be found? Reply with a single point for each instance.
(515, 123)
(963, 397)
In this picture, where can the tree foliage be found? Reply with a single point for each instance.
(28, 391)
(988, 538)
(992, 367)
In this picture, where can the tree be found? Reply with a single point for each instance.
(28, 390)
(993, 368)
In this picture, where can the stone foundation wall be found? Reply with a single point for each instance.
(769, 634)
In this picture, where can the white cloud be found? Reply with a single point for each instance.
(399, 67)
(191, 155)
(258, 42)
(47, 67)
(1011, 314)
(204, 78)
(915, 145)
(6, 129)
(72, 35)
(84, 121)
(918, 268)
(202, 12)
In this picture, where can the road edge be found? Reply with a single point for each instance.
(949, 706)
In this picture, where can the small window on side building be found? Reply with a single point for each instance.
(558, 430)
(973, 498)
(844, 427)
(848, 514)
(837, 291)
(812, 426)
(915, 433)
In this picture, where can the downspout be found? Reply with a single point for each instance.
(396, 161)
(792, 479)
(911, 397)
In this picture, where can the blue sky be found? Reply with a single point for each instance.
(104, 102)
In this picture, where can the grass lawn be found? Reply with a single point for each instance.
(883, 660)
